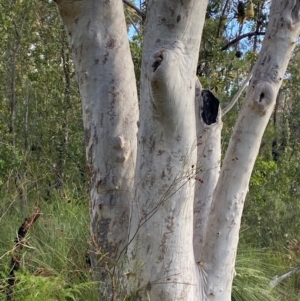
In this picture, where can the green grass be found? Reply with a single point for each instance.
(53, 260)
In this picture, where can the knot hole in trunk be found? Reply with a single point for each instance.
(210, 107)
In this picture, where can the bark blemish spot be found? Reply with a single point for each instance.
(160, 152)
(87, 136)
(172, 11)
(178, 138)
(178, 18)
(111, 43)
(95, 136)
(152, 143)
(148, 286)
(106, 55)
(76, 21)
(163, 247)
(170, 26)
(101, 119)
(103, 230)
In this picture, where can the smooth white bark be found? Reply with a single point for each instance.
(104, 69)
(219, 252)
(207, 169)
(162, 208)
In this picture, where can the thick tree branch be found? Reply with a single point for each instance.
(138, 11)
(246, 35)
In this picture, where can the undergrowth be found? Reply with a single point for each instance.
(53, 262)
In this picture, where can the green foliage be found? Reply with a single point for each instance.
(136, 54)
(42, 160)
(263, 170)
(254, 269)
(33, 287)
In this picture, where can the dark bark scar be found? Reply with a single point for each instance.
(158, 59)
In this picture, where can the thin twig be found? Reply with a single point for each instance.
(16, 256)
(132, 23)
(238, 94)
(222, 18)
(240, 37)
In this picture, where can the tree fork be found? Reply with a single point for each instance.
(219, 252)
(208, 127)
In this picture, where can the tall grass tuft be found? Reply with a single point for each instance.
(53, 261)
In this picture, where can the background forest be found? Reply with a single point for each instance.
(42, 157)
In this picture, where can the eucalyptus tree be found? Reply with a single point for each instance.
(159, 197)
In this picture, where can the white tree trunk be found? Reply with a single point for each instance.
(185, 216)
(219, 252)
(162, 208)
(104, 69)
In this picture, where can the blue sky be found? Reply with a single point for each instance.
(132, 31)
